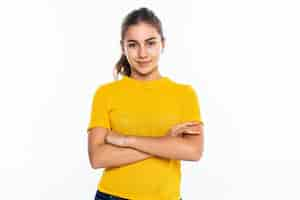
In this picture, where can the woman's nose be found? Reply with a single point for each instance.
(143, 52)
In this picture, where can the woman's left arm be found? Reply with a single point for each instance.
(188, 147)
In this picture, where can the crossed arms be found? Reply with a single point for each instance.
(105, 155)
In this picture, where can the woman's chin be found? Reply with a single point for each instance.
(144, 70)
(144, 65)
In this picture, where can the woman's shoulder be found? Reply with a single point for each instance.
(107, 86)
(181, 85)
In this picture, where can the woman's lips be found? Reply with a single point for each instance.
(144, 63)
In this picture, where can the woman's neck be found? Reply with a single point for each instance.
(152, 76)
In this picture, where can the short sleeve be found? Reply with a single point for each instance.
(99, 115)
(191, 106)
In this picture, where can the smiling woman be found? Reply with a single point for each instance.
(142, 54)
(144, 124)
(142, 42)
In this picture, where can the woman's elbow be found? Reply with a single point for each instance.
(95, 162)
(197, 155)
(95, 165)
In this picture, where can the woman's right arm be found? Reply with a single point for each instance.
(103, 155)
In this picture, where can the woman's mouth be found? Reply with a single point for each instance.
(144, 62)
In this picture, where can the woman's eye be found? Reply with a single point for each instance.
(151, 43)
(131, 45)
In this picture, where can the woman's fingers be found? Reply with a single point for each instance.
(192, 132)
(189, 130)
(115, 138)
(179, 128)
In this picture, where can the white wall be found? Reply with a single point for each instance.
(241, 56)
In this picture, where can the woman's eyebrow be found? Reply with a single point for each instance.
(151, 38)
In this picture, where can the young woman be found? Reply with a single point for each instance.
(144, 124)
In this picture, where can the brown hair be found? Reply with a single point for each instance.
(136, 16)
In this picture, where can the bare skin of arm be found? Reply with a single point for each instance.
(108, 155)
(188, 147)
(179, 148)
(104, 155)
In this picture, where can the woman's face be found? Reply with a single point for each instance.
(142, 46)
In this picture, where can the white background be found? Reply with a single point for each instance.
(242, 57)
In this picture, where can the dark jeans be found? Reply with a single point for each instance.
(105, 196)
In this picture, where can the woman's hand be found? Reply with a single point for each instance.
(192, 127)
(116, 139)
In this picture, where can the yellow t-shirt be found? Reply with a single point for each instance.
(144, 108)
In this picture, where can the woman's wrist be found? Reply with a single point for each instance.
(129, 140)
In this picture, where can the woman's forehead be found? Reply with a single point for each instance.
(141, 32)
